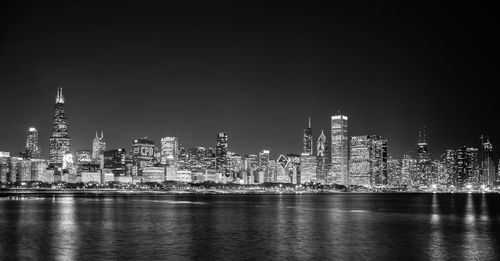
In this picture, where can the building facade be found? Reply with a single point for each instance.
(59, 142)
(339, 172)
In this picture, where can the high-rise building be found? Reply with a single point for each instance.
(169, 151)
(487, 164)
(393, 172)
(83, 156)
(308, 165)
(31, 150)
(323, 159)
(221, 153)
(308, 140)
(408, 170)
(423, 176)
(59, 142)
(368, 161)
(115, 160)
(143, 153)
(467, 167)
(98, 146)
(339, 172)
(360, 161)
(446, 174)
(263, 162)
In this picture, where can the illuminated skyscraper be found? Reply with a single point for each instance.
(368, 161)
(31, 151)
(59, 142)
(263, 162)
(339, 172)
(487, 164)
(308, 140)
(221, 153)
(467, 167)
(169, 150)
(322, 158)
(98, 146)
(423, 177)
(143, 153)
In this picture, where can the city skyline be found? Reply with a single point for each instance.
(256, 73)
(98, 143)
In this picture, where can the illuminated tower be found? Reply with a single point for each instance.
(98, 146)
(31, 151)
(59, 142)
(339, 172)
(308, 140)
(221, 153)
(323, 159)
(487, 164)
(169, 151)
(423, 176)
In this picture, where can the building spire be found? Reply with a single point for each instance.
(309, 122)
(102, 134)
(59, 96)
(424, 134)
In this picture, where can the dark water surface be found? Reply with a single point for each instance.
(251, 227)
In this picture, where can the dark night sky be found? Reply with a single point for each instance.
(256, 72)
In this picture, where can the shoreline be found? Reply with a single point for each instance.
(17, 192)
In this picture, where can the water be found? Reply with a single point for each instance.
(251, 227)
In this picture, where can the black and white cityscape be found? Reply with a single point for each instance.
(336, 161)
(146, 130)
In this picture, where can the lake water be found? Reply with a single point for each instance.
(251, 227)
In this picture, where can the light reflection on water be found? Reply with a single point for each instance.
(214, 227)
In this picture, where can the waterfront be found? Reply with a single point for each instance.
(252, 227)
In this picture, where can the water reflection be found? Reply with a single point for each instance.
(253, 227)
(67, 235)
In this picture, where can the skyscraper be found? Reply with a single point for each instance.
(339, 172)
(221, 153)
(308, 140)
(487, 164)
(98, 146)
(466, 167)
(368, 161)
(59, 142)
(169, 150)
(322, 158)
(424, 164)
(31, 151)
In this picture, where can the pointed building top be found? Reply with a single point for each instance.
(102, 134)
(309, 122)
(59, 96)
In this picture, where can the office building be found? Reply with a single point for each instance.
(339, 172)
(59, 142)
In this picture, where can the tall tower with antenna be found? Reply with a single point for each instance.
(59, 142)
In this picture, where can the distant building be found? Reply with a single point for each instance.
(467, 167)
(143, 153)
(221, 153)
(423, 177)
(169, 151)
(487, 164)
(323, 159)
(263, 163)
(114, 160)
(368, 161)
(83, 156)
(31, 150)
(408, 170)
(393, 172)
(59, 142)
(98, 146)
(308, 165)
(308, 140)
(339, 173)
